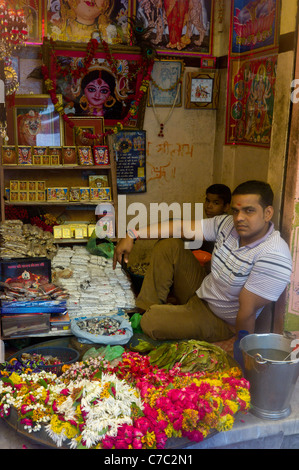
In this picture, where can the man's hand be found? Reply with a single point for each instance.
(249, 304)
(123, 249)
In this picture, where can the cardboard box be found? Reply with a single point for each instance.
(94, 194)
(14, 196)
(41, 196)
(32, 196)
(32, 186)
(75, 194)
(25, 324)
(37, 159)
(46, 160)
(37, 150)
(54, 160)
(55, 151)
(84, 194)
(57, 194)
(98, 181)
(14, 185)
(105, 194)
(79, 233)
(23, 185)
(23, 196)
(40, 185)
(66, 232)
(25, 155)
(9, 155)
(57, 231)
(91, 228)
(78, 229)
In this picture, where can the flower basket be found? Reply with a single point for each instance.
(65, 355)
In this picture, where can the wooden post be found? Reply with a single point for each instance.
(2, 122)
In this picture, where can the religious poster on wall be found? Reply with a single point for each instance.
(250, 100)
(180, 27)
(255, 25)
(130, 152)
(77, 21)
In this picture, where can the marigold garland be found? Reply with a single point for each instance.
(133, 405)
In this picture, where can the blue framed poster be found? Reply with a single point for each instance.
(254, 25)
(130, 154)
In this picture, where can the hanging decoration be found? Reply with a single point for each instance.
(13, 33)
(11, 80)
(162, 124)
(13, 29)
(144, 68)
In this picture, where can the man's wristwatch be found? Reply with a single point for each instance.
(133, 234)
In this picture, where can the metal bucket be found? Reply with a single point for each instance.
(272, 379)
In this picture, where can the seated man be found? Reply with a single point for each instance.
(251, 266)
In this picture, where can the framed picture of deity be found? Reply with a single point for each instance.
(79, 21)
(88, 125)
(165, 87)
(178, 27)
(33, 13)
(202, 90)
(250, 100)
(254, 26)
(108, 87)
(32, 120)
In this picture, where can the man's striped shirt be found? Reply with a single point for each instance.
(263, 267)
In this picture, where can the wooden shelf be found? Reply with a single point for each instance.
(39, 335)
(57, 167)
(57, 203)
(60, 176)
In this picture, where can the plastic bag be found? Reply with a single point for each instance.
(105, 249)
(135, 322)
(84, 337)
(109, 353)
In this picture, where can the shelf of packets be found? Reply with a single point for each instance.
(37, 191)
(78, 231)
(82, 231)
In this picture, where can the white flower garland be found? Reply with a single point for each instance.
(104, 414)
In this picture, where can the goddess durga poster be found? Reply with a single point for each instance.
(178, 26)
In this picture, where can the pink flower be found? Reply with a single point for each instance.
(72, 422)
(24, 409)
(65, 392)
(120, 444)
(137, 444)
(47, 397)
(108, 442)
(26, 422)
(142, 425)
(195, 436)
(32, 398)
(54, 406)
